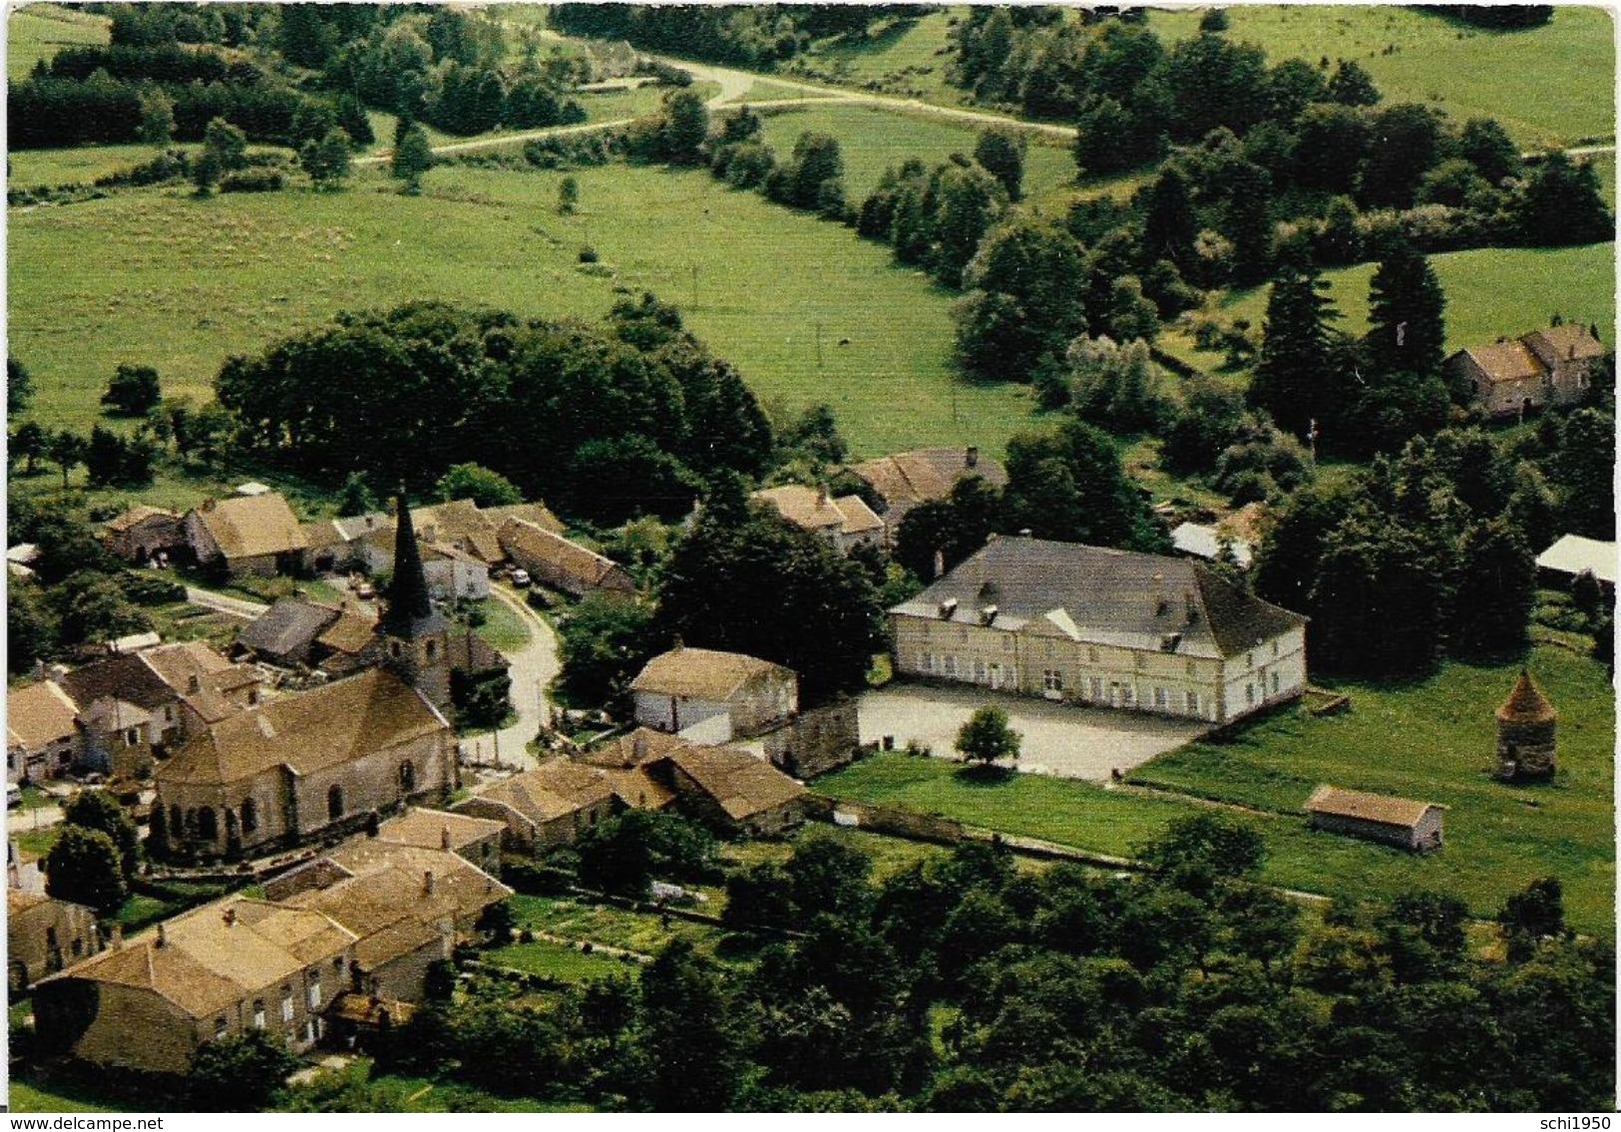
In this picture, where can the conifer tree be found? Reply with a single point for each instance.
(1292, 373)
(1406, 314)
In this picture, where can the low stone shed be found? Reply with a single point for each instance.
(1402, 822)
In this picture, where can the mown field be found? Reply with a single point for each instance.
(806, 310)
(1433, 740)
(39, 31)
(1490, 292)
(1550, 86)
(872, 140)
(902, 54)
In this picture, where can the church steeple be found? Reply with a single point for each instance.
(410, 611)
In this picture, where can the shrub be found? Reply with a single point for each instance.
(253, 181)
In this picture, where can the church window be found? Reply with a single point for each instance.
(334, 803)
(408, 776)
(207, 824)
(250, 816)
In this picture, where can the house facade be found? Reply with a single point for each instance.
(143, 532)
(683, 688)
(1556, 366)
(549, 806)
(41, 732)
(44, 934)
(1102, 628)
(845, 522)
(561, 564)
(255, 535)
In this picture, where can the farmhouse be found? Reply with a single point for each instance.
(234, 965)
(1376, 817)
(475, 840)
(142, 532)
(742, 695)
(44, 934)
(554, 561)
(736, 792)
(551, 805)
(1556, 366)
(906, 479)
(247, 535)
(1573, 556)
(1105, 628)
(305, 764)
(41, 732)
(454, 574)
(285, 634)
(845, 522)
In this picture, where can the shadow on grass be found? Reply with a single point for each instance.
(979, 774)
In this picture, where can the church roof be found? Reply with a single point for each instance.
(1526, 703)
(410, 610)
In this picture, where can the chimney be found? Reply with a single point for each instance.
(427, 882)
(678, 646)
(444, 838)
(229, 917)
(638, 747)
(948, 608)
(1191, 606)
(193, 685)
(971, 456)
(118, 937)
(1161, 603)
(939, 563)
(163, 936)
(824, 497)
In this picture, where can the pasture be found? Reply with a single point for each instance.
(1489, 291)
(39, 31)
(1432, 740)
(806, 311)
(901, 57)
(1550, 86)
(872, 139)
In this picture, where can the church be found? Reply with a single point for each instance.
(320, 762)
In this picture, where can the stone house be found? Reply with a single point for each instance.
(296, 632)
(142, 532)
(816, 741)
(1376, 817)
(254, 535)
(475, 840)
(1556, 366)
(1103, 628)
(305, 764)
(904, 480)
(845, 522)
(555, 561)
(453, 574)
(735, 792)
(231, 966)
(743, 695)
(549, 806)
(44, 934)
(42, 732)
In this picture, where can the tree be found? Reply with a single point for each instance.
(1406, 314)
(1531, 915)
(84, 867)
(473, 481)
(327, 160)
(1486, 145)
(133, 390)
(568, 195)
(95, 609)
(1021, 304)
(603, 643)
(99, 810)
(239, 1073)
(19, 385)
(412, 156)
(226, 143)
(1405, 142)
(684, 128)
(31, 631)
(1351, 85)
(1562, 203)
(157, 117)
(966, 202)
(760, 586)
(1001, 153)
(1497, 589)
(1072, 486)
(31, 442)
(1582, 472)
(1292, 376)
(686, 1036)
(624, 855)
(1378, 600)
(1170, 224)
(66, 450)
(1194, 852)
(356, 498)
(987, 738)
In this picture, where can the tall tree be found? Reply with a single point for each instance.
(1071, 486)
(1497, 589)
(686, 1033)
(412, 156)
(1406, 314)
(327, 160)
(1001, 153)
(19, 385)
(1292, 376)
(99, 810)
(84, 867)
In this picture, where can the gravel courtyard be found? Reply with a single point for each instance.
(1069, 742)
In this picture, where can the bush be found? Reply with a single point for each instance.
(588, 254)
(253, 181)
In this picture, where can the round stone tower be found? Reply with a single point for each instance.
(1525, 733)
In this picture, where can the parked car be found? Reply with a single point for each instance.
(14, 796)
(520, 578)
(365, 591)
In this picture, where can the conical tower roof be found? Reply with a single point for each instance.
(1526, 703)
(410, 611)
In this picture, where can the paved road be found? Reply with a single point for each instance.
(219, 603)
(532, 669)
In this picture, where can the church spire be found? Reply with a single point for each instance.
(410, 612)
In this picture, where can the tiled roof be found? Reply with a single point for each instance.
(351, 633)
(252, 526)
(1506, 361)
(816, 510)
(536, 513)
(1526, 703)
(700, 674)
(288, 626)
(552, 790)
(307, 731)
(580, 567)
(929, 473)
(739, 783)
(459, 521)
(127, 677)
(642, 745)
(1101, 596)
(1569, 341)
(1378, 808)
(138, 514)
(38, 715)
(431, 829)
(321, 534)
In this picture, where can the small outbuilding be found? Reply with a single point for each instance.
(684, 687)
(1526, 739)
(1402, 822)
(1572, 556)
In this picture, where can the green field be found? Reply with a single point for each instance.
(543, 957)
(1490, 292)
(503, 629)
(39, 31)
(610, 105)
(39, 1097)
(1550, 86)
(873, 139)
(606, 925)
(900, 46)
(1432, 741)
(196, 281)
(28, 168)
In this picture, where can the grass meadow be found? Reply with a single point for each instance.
(162, 278)
(1434, 740)
(39, 31)
(1490, 292)
(902, 55)
(1550, 86)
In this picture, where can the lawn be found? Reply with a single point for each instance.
(544, 957)
(806, 311)
(1490, 292)
(900, 57)
(872, 139)
(30, 168)
(1431, 741)
(39, 31)
(39, 1097)
(607, 925)
(608, 106)
(354, 1088)
(1565, 96)
(503, 629)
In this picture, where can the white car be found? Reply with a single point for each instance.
(520, 578)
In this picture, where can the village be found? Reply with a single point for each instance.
(803, 558)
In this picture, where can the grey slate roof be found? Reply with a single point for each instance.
(286, 627)
(1101, 596)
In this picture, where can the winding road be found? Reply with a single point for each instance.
(532, 668)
